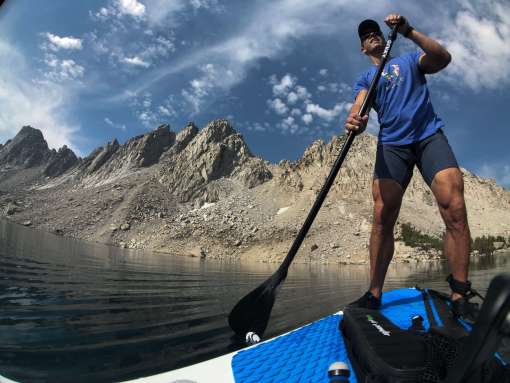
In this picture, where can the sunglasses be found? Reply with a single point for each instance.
(370, 34)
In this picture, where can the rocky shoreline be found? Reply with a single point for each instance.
(201, 193)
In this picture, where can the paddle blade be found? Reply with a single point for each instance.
(251, 313)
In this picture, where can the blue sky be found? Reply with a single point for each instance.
(281, 71)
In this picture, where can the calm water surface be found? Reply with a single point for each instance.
(80, 312)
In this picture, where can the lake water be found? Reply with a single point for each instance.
(79, 312)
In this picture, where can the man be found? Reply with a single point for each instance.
(410, 134)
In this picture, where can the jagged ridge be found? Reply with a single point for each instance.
(216, 152)
(151, 192)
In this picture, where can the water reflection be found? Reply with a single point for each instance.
(81, 312)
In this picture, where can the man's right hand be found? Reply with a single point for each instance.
(355, 123)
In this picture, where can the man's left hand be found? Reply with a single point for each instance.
(394, 19)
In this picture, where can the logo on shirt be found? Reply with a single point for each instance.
(392, 78)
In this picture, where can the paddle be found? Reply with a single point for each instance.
(251, 313)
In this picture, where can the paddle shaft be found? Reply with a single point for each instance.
(252, 312)
(365, 108)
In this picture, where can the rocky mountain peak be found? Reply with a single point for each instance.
(216, 152)
(113, 160)
(27, 149)
(182, 139)
(217, 131)
(60, 162)
(188, 133)
(27, 130)
(101, 155)
(152, 145)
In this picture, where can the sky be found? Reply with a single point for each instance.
(281, 71)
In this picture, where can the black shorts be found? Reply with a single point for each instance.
(431, 155)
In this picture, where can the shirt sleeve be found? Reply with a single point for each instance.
(415, 57)
(361, 83)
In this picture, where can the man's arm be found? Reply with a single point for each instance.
(435, 56)
(356, 123)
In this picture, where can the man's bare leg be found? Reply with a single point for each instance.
(448, 188)
(387, 196)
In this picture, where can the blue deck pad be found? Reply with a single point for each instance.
(400, 305)
(305, 354)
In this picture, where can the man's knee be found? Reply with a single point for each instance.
(454, 213)
(387, 200)
(449, 194)
(385, 217)
(448, 188)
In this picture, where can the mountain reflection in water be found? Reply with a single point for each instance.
(78, 312)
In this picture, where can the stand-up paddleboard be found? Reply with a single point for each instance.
(305, 354)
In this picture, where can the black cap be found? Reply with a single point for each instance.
(367, 26)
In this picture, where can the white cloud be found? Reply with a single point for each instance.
(117, 10)
(289, 125)
(99, 45)
(334, 87)
(167, 109)
(201, 87)
(160, 11)
(288, 88)
(62, 70)
(56, 42)
(157, 47)
(103, 13)
(257, 127)
(70, 69)
(171, 12)
(302, 93)
(268, 32)
(125, 45)
(307, 118)
(136, 61)
(147, 118)
(323, 72)
(478, 39)
(145, 112)
(203, 3)
(278, 106)
(41, 104)
(131, 7)
(292, 98)
(212, 82)
(282, 87)
(325, 114)
(114, 125)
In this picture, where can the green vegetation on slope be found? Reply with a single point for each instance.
(414, 238)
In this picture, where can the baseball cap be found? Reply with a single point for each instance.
(367, 26)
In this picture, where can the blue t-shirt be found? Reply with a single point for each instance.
(402, 102)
